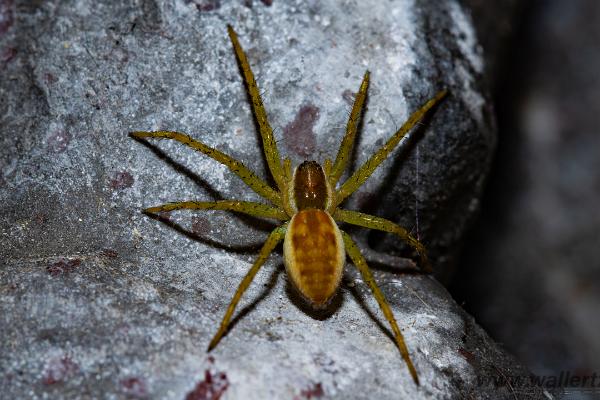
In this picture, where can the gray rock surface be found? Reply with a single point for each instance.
(98, 300)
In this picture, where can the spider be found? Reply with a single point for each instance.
(307, 201)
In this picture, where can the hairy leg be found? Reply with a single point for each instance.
(365, 171)
(361, 264)
(245, 207)
(275, 237)
(382, 224)
(341, 160)
(266, 132)
(249, 177)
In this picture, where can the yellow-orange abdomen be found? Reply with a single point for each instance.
(314, 255)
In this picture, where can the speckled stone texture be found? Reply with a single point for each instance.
(99, 301)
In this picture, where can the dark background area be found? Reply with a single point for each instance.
(530, 272)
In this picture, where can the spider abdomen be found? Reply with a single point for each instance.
(314, 255)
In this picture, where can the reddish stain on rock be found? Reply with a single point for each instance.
(348, 96)
(206, 5)
(134, 387)
(8, 54)
(109, 253)
(7, 15)
(59, 141)
(59, 370)
(299, 135)
(211, 388)
(121, 180)
(63, 267)
(49, 78)
(313, 392)
(40, 218)
(470, 357)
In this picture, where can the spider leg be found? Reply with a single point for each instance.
(360, 263)
(246, 207)
(266, 132)
(382, 224)
(365, 171)
(341, 160)
(275, 237)
(249, 177)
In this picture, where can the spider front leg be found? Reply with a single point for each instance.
(365, 171)
(249, 177)
(382, 224)
(266, 132)
(343, 155)
(360, 263)
(245, 207)
(274, 238)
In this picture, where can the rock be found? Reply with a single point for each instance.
(138, 325)
(101, 301)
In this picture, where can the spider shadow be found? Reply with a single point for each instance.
(304, 305)
(294, 297)
(268, 288)
(318, 314)
(399, 156)
(353, 290)
(239, 249)
(257, 223)
(395, 270)
(407, 268)
(180, 168)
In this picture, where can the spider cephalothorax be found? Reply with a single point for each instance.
(307, 202)
(309, 187)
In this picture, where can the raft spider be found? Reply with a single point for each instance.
(307, 201)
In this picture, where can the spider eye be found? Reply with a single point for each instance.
(310, 190)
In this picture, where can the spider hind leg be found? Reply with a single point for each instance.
(360, 263)
(274, 238)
